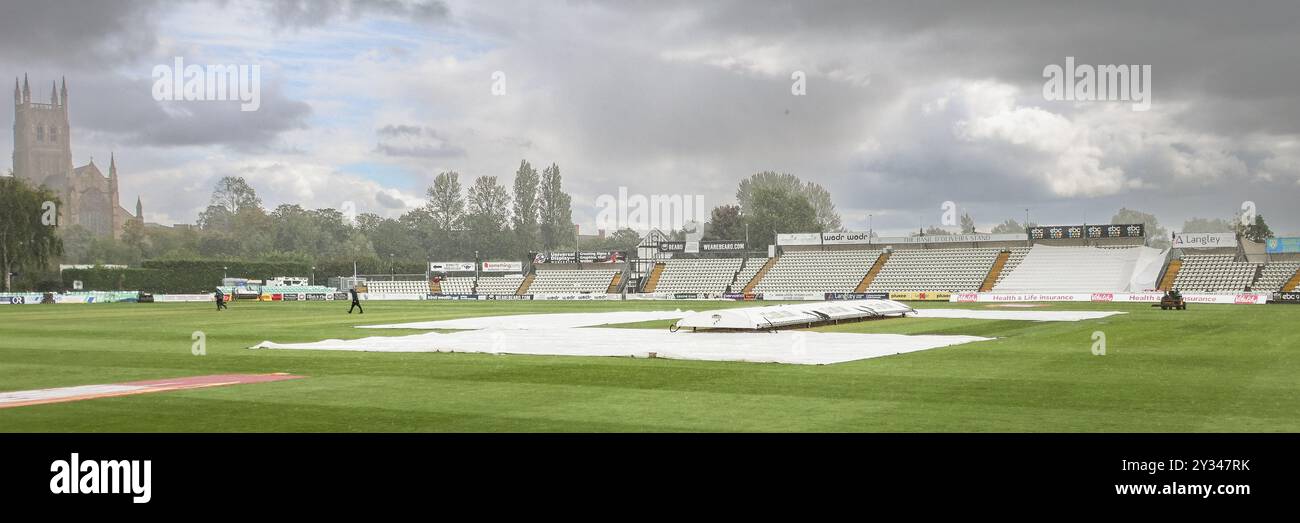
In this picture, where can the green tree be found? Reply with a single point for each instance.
(231, 196)
(488, 217)
(368, 222)
(1008, 227)
(181, 243)
(1157, 236)
(135, 238)
(78, 242)
(418, 223)
(294, 230)
(624, 240)
(215, 218)
(827, 219)
(354, 247)
(967, 224)
(390, 238)
(725, 223)
(1208, 225)
(554, 210)
(446, 212)
(446, 203)
(489, 205)
(29, 240)
(621, 240)
(774, 211)
(933, 231)
(525, 201)
(252, 233)
(1257, 231)
(781, 182)
(235, 194)
(333, 226)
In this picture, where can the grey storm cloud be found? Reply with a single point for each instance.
(125, 107)
(1226, 108)
(309, 13)
(1239, 59)
(415, 142)
(95, 45)
(389, 201)
(907, 103)
(75, 33)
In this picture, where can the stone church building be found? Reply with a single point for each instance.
(43, 156)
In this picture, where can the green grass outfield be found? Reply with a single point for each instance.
(1210, 368)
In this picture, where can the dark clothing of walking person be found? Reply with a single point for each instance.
(221, 299)
(356, 302)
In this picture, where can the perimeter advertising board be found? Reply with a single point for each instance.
(503, 266)
(1286, 297)
(1241, 298)
(1204, 240)
(832, 296)
(1282, 245)
(444, 267)
(579, 257)
(920, 296)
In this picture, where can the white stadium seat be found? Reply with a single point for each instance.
(747, 272)
(457, 285)
(549, 281)
(817, 272)
(1214, 273)
(507, 284)
(702, 275)
(1274, 276)
(952, 270)
(1013, 261)
(398, 287)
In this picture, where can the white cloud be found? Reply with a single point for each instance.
(1068, 160)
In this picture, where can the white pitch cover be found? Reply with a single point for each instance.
(797, 347)
(571, 334)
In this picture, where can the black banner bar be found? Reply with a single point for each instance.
(323, 471)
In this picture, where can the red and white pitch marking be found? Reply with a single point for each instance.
(23, 398)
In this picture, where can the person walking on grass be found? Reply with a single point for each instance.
(221, 299)
(356, 301)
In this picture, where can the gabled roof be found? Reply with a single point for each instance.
(89, 168)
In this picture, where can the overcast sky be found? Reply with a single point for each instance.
(907, 104)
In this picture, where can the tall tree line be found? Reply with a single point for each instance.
(460, 219)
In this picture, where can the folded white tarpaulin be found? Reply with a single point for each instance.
(773, 316)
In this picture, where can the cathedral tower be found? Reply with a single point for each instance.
(42, 144)
(43, 156)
